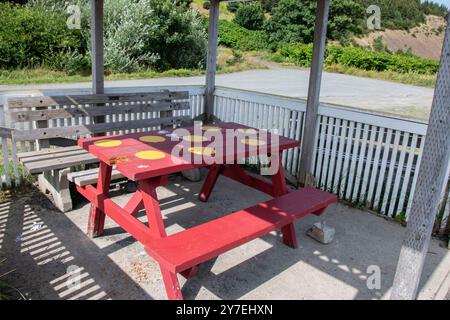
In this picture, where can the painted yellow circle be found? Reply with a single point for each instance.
(248, 131)
(211, 128)
(253, 142)
(207, 151)
(154, 139)
(195, 138)
(108, 143)
(150, 155)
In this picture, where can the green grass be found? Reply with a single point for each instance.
(42, 75)
(422, 80)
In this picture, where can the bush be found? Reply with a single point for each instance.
(234, 36)
(233, 6)
(206, 5)
(155, 34)
(300, 54)
(250, 16)
(293, 21)
(30, 36)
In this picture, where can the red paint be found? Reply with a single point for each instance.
(184, 251)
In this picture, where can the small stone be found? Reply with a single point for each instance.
(321, 232)
(192, 175)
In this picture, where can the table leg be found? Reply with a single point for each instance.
(280, 188)
(172, 285)
(96, 222)
(210, 181)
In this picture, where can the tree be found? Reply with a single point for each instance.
(293, 21)
(250, 16)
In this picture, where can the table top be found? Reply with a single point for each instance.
(150, 154)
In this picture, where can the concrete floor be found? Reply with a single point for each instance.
(48, 250)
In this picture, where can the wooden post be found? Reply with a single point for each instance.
(98, 76)
(98, 79)
(431, 176)
(211, 62)
(305, 176)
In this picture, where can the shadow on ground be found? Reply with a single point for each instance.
(54, 259)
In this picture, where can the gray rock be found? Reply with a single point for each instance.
(321, 232)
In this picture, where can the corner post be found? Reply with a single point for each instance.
(305, 176)
(432, 175)
(211, 64)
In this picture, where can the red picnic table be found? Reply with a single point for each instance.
(149, 157)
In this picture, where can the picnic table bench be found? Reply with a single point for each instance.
(54, 123)
(149, 157)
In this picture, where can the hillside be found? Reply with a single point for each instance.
(424, 41)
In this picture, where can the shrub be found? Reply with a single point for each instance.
(293, 21)
(29, 36)
(155, 34)
(300, 54)
(233, 6)
(206, 5)
(250, 16)
(234, 36)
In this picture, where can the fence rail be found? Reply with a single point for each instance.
(368, 159)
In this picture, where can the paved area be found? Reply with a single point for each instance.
(351, 91)
(54, 259)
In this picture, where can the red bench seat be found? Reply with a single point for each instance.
(188, 248)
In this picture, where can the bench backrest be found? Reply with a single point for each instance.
(46, 117)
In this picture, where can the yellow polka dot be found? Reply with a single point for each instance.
(207, 151)
(211, 128)
(253, 142)
(150, 155)
(154, 139)
(195, 138)
(108, 143)
(248, 131)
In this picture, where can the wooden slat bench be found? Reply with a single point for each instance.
(187, 249)
(81, 116)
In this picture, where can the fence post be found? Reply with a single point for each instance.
(211, 63)
(305, 177)
(432, 175)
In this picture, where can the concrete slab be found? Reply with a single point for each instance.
(115, 266)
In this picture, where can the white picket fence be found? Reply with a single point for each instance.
(368, 159)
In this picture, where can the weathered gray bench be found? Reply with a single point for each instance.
(54, 123)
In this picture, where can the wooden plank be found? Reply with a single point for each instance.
(24, 155)
(91, 111)
(53, 156)
(398, 175)
(60, 163)
(361, 157)
(392, 164)
(92, 128)
(376, 164)
(384, 160)
(191, 247)
(408, 173)
(5, 156)
(354, 160)
(86, 99)
(367, 168)
(87, 177)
